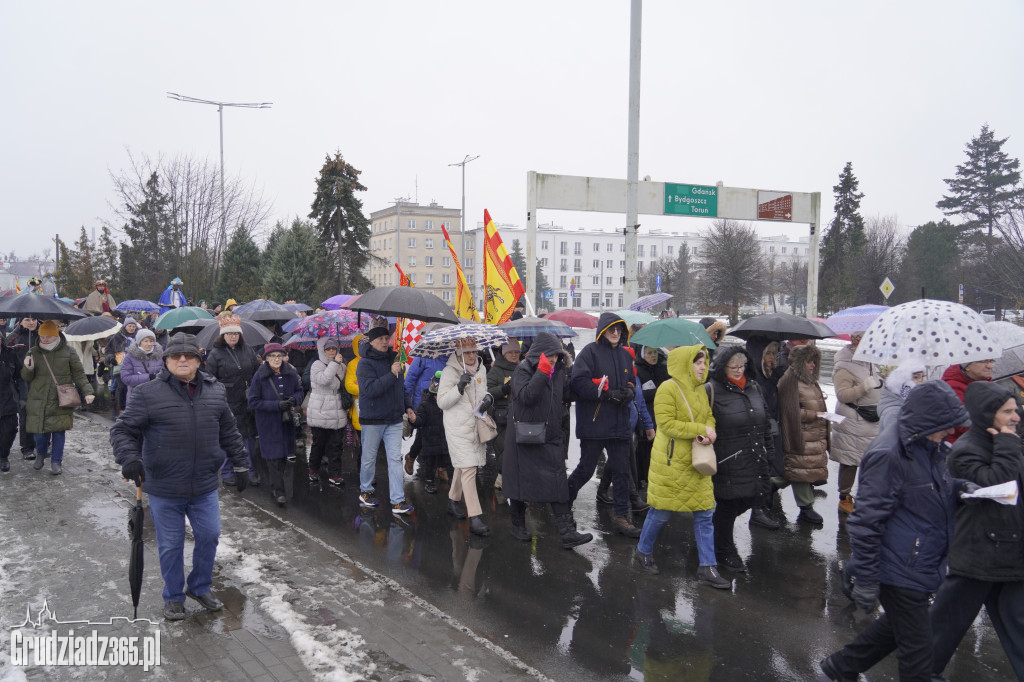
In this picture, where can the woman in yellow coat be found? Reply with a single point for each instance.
(352, 386)
(682, 412)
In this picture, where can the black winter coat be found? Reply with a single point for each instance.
(12, 388)
(235, 367)
(536, 473)
(989, 539)
(20, 342)
(181, 440)
(595, 361)
(657, 373)
(744, 445)
(499, 385)
(381, 393)
(430, 422)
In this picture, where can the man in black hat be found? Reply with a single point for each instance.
(171, 439)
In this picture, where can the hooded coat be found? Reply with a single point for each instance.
(420, 374)
(743, 446)
(382, 397)
(989, 539)
(902, 526)
(12, 388)
(45, 415)
(672, 482)
(958, 380)
(898, 385)
(645, 372)
(324, 409)
(851, 438)
(499, 378)
(805, 435)
(596, 416)
(536, 473)
(464, 446)
(430, 423)
(352, 380)
(235, 367)
(119, 342)
(138, 366)
(277, 437)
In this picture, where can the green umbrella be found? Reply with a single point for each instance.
(631, 317)
(672, 331)
(172, 318)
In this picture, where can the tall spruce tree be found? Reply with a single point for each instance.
(290, 273)
(842, 245)
(241, 277)
(342, 230)
(107, 263)
(931, 263)
(145, 271)
(986, 187)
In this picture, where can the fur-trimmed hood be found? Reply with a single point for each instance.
(798, 359)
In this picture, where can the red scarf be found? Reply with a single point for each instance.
(741, 382)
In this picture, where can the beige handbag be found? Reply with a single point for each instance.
(67, 394)
(702, 455)
(486, 429)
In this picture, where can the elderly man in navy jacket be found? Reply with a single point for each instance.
(604, 383)
(172, 439)
(901, 533)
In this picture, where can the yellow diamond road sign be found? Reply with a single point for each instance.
(887, 288)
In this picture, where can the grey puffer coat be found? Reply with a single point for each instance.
(851, 438)
(324, 409)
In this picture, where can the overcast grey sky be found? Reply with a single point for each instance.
(770, 95)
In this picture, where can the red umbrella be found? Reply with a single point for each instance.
(573, 318)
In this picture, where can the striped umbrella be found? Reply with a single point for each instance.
(856, 319)
(441, 342)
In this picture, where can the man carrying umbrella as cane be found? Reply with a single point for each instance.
(180, 425)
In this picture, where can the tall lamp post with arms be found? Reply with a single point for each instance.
(220, 112)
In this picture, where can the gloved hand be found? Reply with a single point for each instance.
(970, 487)
(464, 381)
(22, 404)
(870, 383)
(286, 404)
(241, 480)
(152, 376)
(866, 597)
(506, 389)
(486, 403)
(544, 365)
(133, 471)
(621, 396)
(89, 399)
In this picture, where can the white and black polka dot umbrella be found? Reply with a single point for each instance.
(934, 332)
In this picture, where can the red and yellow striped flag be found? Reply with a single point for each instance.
(502, 286)
(464, 306)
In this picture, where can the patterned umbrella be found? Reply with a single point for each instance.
(649, 301)
(856, 319)
(441, 342)
(335, 302)
(263, 310)
(336, 324)
(935, 332)
(529, 327)
(137, 306)
(573, 318)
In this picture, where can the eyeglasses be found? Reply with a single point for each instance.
(733, 368)
(179, 356)
(275, 356)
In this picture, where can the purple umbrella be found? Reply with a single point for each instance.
(856, 319)
(649, 301)
(335, 302)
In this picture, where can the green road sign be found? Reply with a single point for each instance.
(698, 200)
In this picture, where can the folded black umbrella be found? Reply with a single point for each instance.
(136, 518)
(404, 302)
(38, 306)
(780, 326)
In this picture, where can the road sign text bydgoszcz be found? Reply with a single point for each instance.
(698, 200)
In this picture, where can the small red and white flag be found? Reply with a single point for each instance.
(412, 333)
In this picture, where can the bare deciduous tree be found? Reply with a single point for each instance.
(880, 257)
(732, 267)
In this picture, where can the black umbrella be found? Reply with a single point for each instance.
(135, 520)
(404, 302)
(297, 307)
(780, 326)
(92, 328)
(263, 310)
(254, 333)
(38, 306)
(194, 326)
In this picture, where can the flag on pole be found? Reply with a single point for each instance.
(502, 286)
(400, 345)
(17, 287)
(411, 334)
(464, 306)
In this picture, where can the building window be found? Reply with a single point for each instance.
(428, 243)
(430, 278)
(470, 244)
(468, 263)
(640, 267)
(622, 265)
(609, 264)
(608, 281)
(670, 249)
(693, 251)
(577, 301)
(597, 264)
(622, 247)
(577, 248)
(446, 279)
(597, 280)
(428, 261)
(595, 300)
(543, 262)
(577, 266)
(469, 280)
(654, 251)
(783, 249)
(412, 261)
(563, 249)
(446, 262)
(610, 247)
(640, 250)
(412, 242)
(771, 249)
(562, 265)
(411, 224)
(620, 300)
(563, 300)
(597, 247)
(608, 300)
(544, 246)
(428, 224)
(563, 281)
(446, 295)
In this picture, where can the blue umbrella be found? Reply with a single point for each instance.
(137, 306)
(649, 301)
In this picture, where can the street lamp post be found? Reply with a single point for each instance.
(220, 112)
(462, 220)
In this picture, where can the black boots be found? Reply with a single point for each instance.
(808, 515)
(567, 529)
(455, 510)
(477, 526)
(518, 529)
(759, 517)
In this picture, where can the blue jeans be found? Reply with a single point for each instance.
(52, 443)
(169, 514)
(372, 435)
(703, 530)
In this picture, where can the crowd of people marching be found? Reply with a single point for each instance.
(713, 433)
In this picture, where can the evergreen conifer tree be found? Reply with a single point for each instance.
(342, 231)
(842, 245)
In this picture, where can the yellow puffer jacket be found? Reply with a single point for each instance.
(352, 386)
(673, 483)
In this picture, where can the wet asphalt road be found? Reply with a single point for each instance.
(585, 614)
